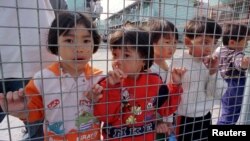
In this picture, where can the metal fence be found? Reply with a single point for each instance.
(24, 31)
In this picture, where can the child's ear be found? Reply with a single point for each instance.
(187, 42)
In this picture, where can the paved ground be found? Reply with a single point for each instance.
(12, 127)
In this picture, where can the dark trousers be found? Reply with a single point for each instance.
(193, 129)
(232, 100)
(35, 130)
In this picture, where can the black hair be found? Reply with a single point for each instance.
(236, 32)
(137, 38)
(200, 26)
(160, 27)
(64, 22)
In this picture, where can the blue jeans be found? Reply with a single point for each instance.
(35, 130)
(232, 100)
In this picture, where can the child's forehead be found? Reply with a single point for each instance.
(78, 29)
(123, 48)
(207, 38)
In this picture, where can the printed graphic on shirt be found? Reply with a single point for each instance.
(56, 127)
(85, 121)
(150, 113)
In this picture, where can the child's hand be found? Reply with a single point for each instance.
(14, 103)
(96, 93)
(163, 127)
(245, 62)
(116, 75)
(212, 63)
(177, 75)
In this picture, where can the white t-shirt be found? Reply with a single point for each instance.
(23, 37)
(199, 88)
(156, 69)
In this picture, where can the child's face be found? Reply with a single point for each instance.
(238, 45)
(200, 46)
(76, 47)
(165, 47)
(128, 60)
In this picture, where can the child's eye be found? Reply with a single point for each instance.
(126, 55)
(69, 41)
(86, 41)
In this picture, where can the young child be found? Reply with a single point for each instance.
(58, 93)
(193, 114)
(233, 66)
(132, 97)
(164, 36)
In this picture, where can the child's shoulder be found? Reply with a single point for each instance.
(51, 71)
(151, 78)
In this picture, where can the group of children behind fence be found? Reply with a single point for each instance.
(142, 94)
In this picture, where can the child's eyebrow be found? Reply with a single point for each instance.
(73, 35)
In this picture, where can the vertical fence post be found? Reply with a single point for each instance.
(245, 110)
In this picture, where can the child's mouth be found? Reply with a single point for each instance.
(79, 59)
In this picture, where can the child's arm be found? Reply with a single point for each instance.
(175, 88)
(26, 105)
(35, 102)
(108, 106)
(14, 103)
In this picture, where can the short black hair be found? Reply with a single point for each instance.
(159, 27)
(199, 26)
(64, 22)
(135, 37)
(236, 32)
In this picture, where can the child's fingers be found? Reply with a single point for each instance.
(1, 99)
(1, 96)
(162, 128)
(21, 92)
(16, 96)
(9, 96)
(97, 88)
(120, 73)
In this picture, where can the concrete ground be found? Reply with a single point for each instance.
(11, 128)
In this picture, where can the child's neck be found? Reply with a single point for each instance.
(72, 71)
(162, 64)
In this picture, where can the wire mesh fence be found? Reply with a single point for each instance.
(122, 69)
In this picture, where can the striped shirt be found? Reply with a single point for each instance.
(230, 62)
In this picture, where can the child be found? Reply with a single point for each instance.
(164, 36)
(193, 114)
(58, 93)
(132, 97)
(233, 66)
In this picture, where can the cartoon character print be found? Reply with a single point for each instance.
(150, 113)
(130, 112)
(85, 121)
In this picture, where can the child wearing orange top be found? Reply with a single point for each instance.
(59, 93)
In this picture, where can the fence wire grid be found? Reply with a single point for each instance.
(122, 69)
